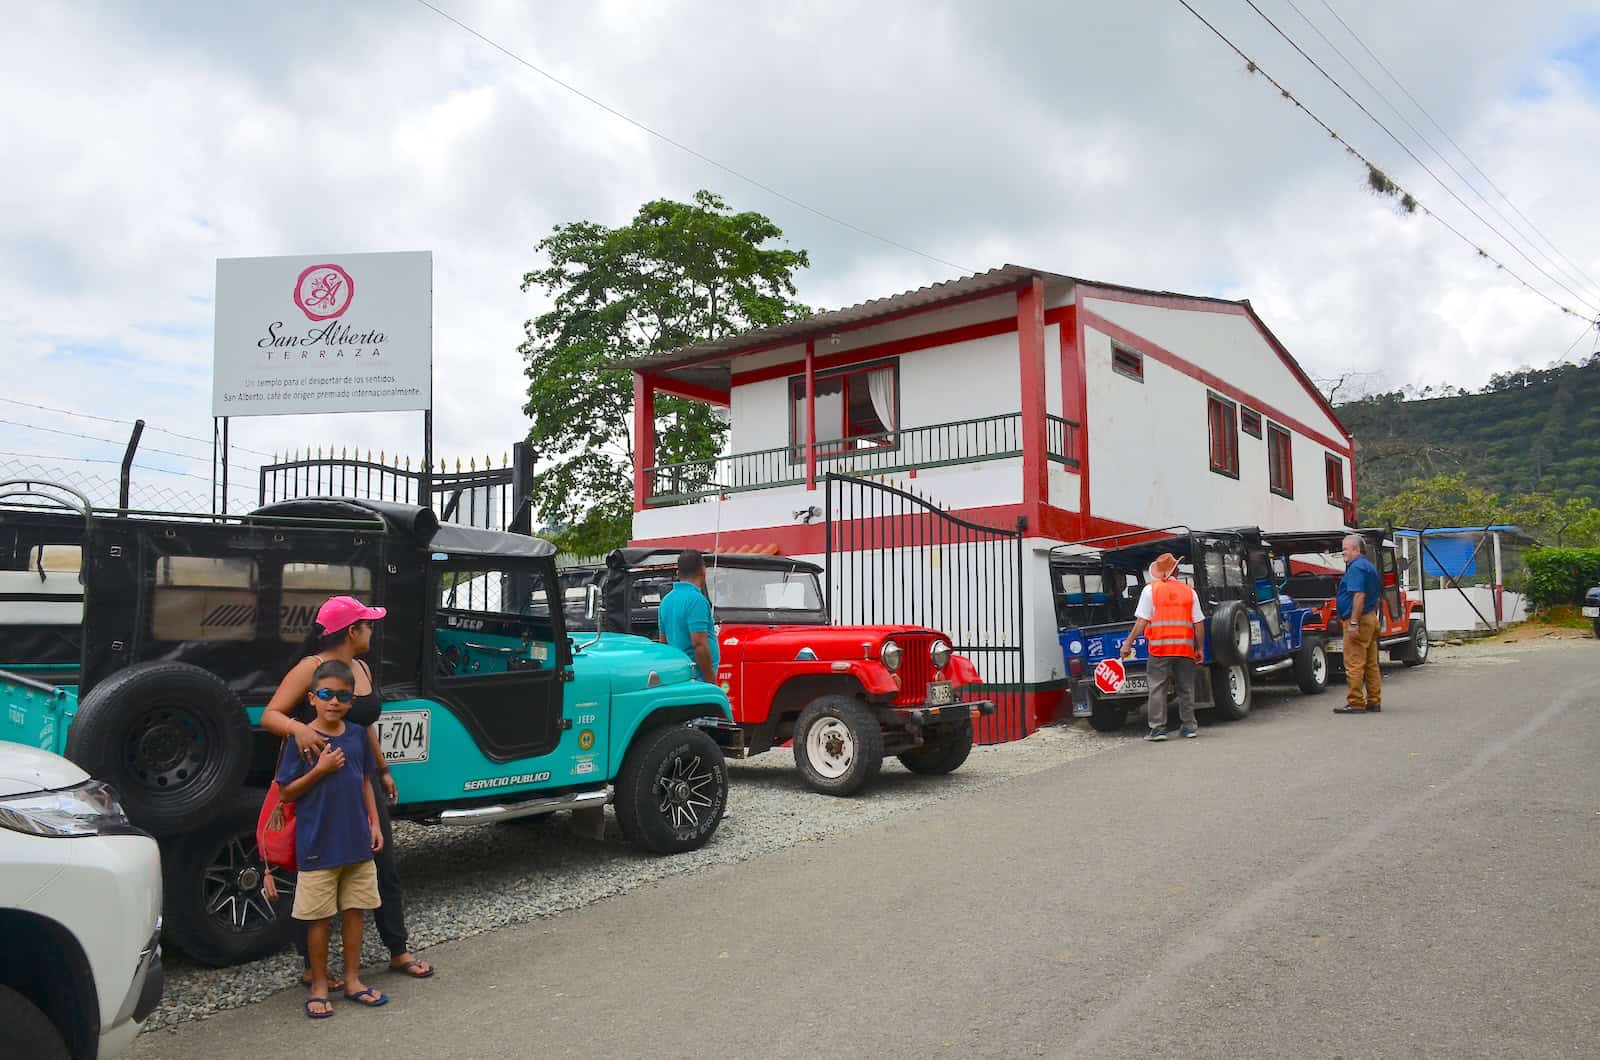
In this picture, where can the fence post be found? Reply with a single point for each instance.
(521, 489)
(124, 482)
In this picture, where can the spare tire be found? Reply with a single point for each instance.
(1230, 633)
(170, 737)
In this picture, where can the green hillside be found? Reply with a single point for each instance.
(1531, 431)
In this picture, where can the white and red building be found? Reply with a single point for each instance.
(1085, 409)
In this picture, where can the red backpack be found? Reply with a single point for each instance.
(275, 829)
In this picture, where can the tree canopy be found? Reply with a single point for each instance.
(677, 274)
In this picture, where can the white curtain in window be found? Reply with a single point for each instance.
(880, 384)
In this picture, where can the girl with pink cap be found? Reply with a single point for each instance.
(343, 630)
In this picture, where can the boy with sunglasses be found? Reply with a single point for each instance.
(336, 834)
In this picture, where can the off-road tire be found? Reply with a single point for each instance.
(217, 867)
(943, 750)
(1230, 628)
(1416, 649)
(1107, 715)
(865, 745)
(1223, 703)
(170, 737)
(1311, 666)
(29, 1031)
(1597, 629)
(672, 790)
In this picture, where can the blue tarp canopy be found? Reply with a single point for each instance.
(1450, 550)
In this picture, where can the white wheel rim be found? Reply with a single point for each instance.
(1236, 684)
(1241, 639)
(1422, 642)
(830, 748)
(1319, 665)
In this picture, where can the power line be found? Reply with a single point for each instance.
(686, 149)
(1413, 155)
(116, 441)
(1576, 268)
(1255, 67)
(1587, 327)
(111, 419)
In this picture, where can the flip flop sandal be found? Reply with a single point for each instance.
(409, 969)
(368, 997)
(318, 1001)
(1349, 710)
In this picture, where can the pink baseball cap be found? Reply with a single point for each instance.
(340, 612)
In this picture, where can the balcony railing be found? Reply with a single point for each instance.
(937, 445)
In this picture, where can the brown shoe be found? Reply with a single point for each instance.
(1374, 708)
(1349, 710)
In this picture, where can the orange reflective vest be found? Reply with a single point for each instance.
(1171, 631)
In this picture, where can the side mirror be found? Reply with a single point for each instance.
(592, 604)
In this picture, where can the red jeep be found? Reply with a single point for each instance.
(845, 695)
(1308, 565)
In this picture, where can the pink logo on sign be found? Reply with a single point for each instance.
(1110, 676)
(323, 292)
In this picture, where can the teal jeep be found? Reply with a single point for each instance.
(144, 647)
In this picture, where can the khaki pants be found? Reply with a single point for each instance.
(1170, 675)
(1361, 662)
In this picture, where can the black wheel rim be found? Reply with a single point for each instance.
(685, 791)
(231, 893)
(170, 748)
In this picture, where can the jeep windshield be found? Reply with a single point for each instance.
(765, 594)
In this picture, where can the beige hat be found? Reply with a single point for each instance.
(1164, 565)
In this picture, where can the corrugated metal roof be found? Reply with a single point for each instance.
(1004, 278)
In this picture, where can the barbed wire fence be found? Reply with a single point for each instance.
(148, 490)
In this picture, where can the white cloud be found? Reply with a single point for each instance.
(1122, 143)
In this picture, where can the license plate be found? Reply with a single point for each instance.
(403, 736)
(1135, 685)
(1591, 612)
(940, 693)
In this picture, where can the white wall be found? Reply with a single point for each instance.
(1448, 612)
(1149, 448)
(1226, 345)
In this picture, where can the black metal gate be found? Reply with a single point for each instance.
(892, 556)
(493, 498)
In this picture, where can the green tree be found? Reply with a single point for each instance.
(1443, 500)
(677, 274)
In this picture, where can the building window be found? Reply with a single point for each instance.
(1128, 363)
(857, 408)
(1250, 421)
(1280, 460)
(1334, 467)
(1223, 417)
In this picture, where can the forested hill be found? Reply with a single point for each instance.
(1530, 431)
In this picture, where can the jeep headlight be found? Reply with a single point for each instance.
(88, 809)
(940, 653)
(890, 655)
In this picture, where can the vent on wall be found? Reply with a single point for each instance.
(1250, 421)
(1128, 363)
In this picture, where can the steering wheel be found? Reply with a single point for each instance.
(445, 662)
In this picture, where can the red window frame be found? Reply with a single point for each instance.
(1280, 460)
(1222, 425)
(1333, 472)
(846, 442)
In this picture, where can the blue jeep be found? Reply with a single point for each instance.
(1591, 608)
(145, 646)
(1250, 632)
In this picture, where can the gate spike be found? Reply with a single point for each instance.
(382, 459)
(458, 463)
(408, 462)
(369, 456)
(472, 463)
(344, 453)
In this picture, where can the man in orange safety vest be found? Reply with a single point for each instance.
(1169, 612)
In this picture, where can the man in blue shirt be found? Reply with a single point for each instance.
(685, 616)
(1358, 602)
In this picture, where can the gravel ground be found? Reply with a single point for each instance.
(465, 881)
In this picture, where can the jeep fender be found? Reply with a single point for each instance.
(960, 672)
(633, 712)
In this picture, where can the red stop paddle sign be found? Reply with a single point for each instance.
(1110, 676)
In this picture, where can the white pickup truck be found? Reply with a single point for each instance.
(80, 913)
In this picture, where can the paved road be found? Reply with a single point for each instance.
(1421, 883)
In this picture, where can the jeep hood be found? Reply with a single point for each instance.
(25, 770)
(783, 643)
(628, 660)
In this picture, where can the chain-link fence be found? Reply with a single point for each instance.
(148, 490)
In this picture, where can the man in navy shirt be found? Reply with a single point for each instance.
(1359, 599)
(685, 616)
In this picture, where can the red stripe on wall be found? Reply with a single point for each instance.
(1221, 386)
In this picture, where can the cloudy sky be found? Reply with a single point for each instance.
(142, 141)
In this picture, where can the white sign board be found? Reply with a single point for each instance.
(329, 333)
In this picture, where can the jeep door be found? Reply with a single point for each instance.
(497, 652)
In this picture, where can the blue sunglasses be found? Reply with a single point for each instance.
(343, 695)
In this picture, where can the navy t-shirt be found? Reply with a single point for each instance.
(331, 826)
(1359, 577)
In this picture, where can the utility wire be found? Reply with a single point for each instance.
(1256, 67)
(1404, 147)
(110, 419)
(1576, 268)
(117, 441)
(1587, 327)
(686, 149)
(1441, 156)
